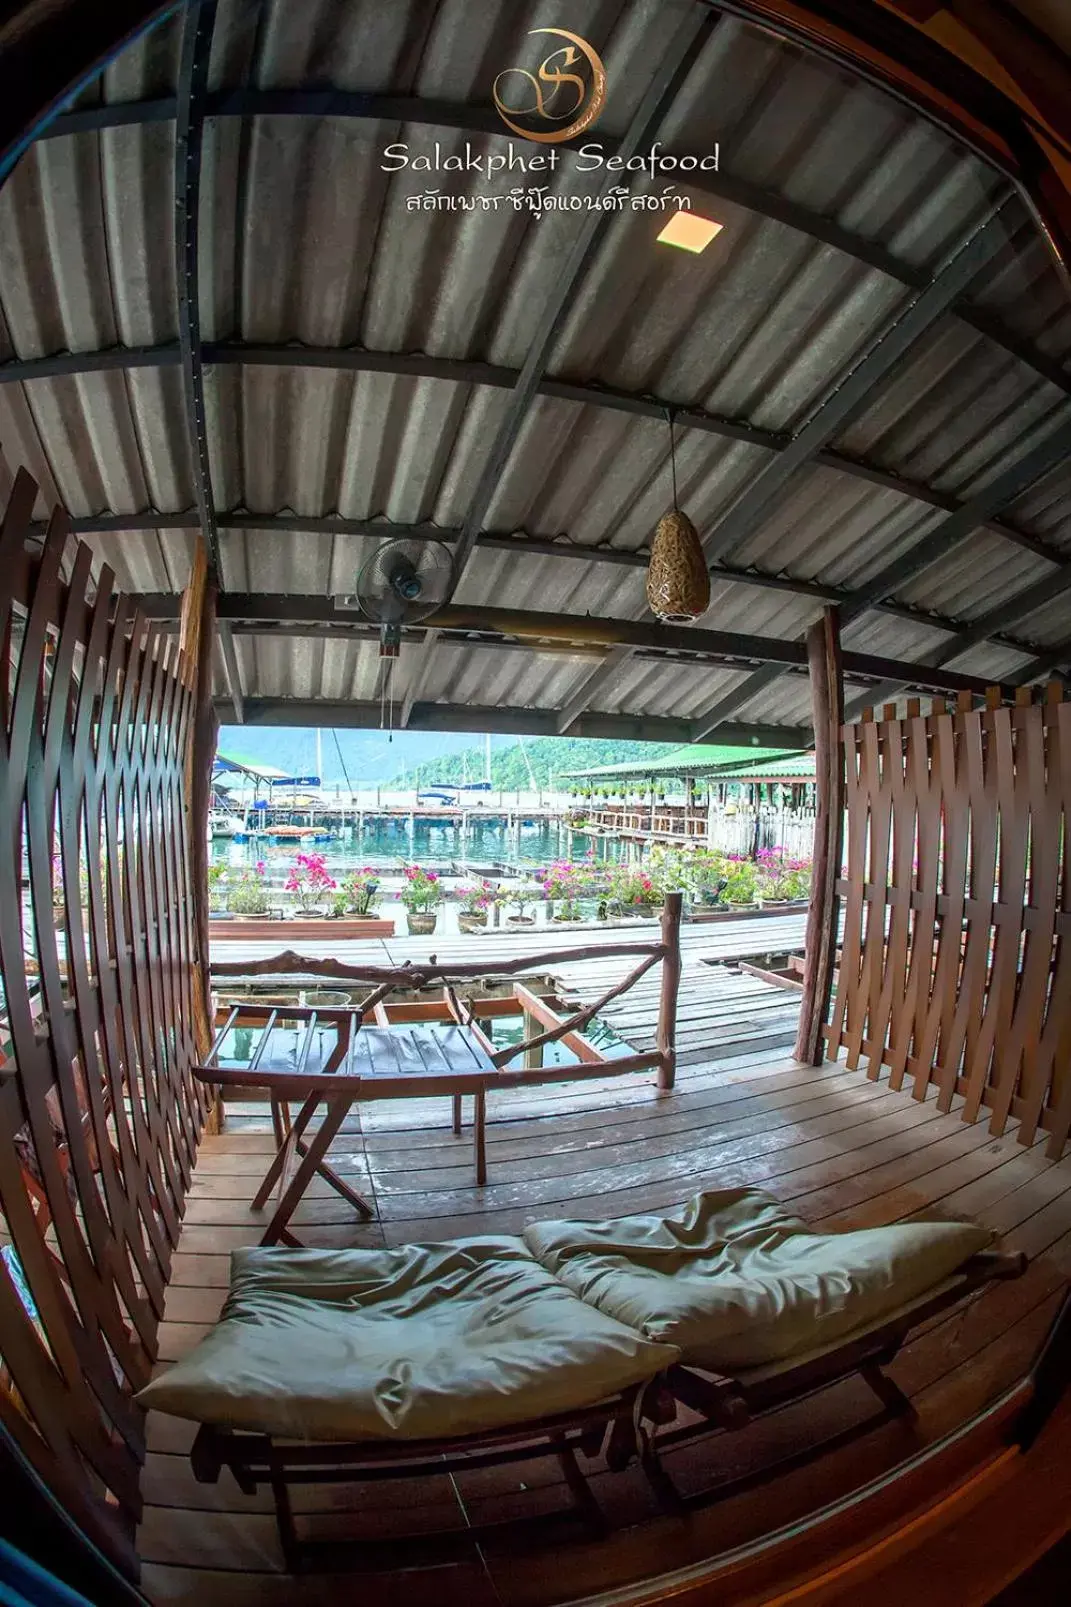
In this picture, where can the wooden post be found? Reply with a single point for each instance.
(827, 691)
(533, 1058)
(671, 981)
(197, 642)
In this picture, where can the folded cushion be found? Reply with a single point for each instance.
(421, 1342)
(737, 1281)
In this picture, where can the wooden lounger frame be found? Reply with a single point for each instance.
(256, 1459)
(634, 1425)
(733, 1403)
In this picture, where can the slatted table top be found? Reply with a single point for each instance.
(407, 1055)
(295, 1052)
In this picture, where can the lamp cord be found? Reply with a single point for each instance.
(672, 457)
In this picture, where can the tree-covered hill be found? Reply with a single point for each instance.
(544, 759)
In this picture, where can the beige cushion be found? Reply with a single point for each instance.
(736, 1281)
(420, 1342)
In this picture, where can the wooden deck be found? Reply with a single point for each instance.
(842, 1150)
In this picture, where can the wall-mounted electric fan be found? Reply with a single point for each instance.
(402, 583)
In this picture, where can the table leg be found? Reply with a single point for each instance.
(480, 1133)
(338, 1108)
(285, 1150)
(340, 1185)
(457, 1115)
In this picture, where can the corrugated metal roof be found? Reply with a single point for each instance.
(793, 767)
(304, 239)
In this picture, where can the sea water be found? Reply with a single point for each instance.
(389, 844)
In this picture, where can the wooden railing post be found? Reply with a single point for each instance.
(820, 946)
(197, 643)
(671, 981)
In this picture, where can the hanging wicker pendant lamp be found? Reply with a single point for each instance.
(678, 581)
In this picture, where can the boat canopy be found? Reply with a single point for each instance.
(262, 772)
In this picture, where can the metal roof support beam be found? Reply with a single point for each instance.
(982, 629)
(462, 372)
(949, 534)
(418, 677)
(841, 404)
(196, 47)
(521, 545)
(231, 670)
(1055, 660)
(428, 716)
(592, 683)
(756, 198)
(852, 394)
(692, 34)
(678, 645)
(189, 137)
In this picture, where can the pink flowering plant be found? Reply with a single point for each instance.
(632, 888)
(565, 882)
(477, 898)
(421, 889)
(359, 888)
(309, 878)
(781, 875)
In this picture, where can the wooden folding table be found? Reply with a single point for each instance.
(359, 1063)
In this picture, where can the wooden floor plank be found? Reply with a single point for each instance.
(842, 1150)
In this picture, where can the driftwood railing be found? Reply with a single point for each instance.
(386, 980)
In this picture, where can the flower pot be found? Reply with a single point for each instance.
(309, 913)
(470, 921)
(743, 906)
(520, 920)
(420, 923)
(59, 917)
(253, 915)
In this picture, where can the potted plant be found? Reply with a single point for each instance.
(421, 894)
(309, 880)
(741, 884)
(632, 891)
(783, 880)
(359, 889)
(562, 887)
(248, 896)
(340, 906)
(476, 901)
(523, 901)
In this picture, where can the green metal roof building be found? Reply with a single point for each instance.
(709, 760)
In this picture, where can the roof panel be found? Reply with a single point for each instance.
(305, 239)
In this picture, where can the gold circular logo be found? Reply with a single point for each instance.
(556, 91)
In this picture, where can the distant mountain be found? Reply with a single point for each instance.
(542, 760)
(353, 759)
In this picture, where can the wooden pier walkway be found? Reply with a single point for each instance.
(723, 1015)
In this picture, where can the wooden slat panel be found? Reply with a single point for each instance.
(99, 1116)
(956, 964)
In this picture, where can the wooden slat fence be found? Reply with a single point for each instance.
(99, 1117)
(956, 961)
